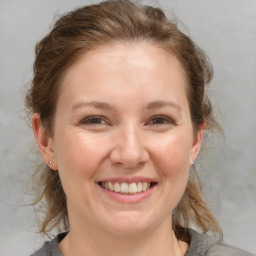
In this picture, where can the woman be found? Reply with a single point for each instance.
(119, 109)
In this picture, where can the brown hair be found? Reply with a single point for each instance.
(104, 23)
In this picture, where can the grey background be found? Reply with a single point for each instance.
(226, 29)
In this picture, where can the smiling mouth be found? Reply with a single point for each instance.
(127, 188)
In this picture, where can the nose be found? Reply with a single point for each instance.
(129, 150)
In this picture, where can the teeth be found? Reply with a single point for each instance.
(110, 186)
(126, 188)
(117, 187)
(133, 188)
(139, 187)
(144, 186)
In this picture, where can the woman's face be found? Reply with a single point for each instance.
(123, 123)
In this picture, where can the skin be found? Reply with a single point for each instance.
(132, 136)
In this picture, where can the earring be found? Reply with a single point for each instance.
(191, 162)
(50, 162)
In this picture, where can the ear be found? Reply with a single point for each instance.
(44, 142)
(197, 143)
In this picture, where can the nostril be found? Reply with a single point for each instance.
(130, 153)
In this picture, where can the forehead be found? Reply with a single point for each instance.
(145, 56)
(140, 67)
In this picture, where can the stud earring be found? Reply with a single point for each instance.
(191, 162)
(50, 162)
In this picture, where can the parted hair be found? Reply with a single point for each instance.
(87, 28)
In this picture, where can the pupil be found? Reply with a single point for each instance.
(158, 120)
(95, 120)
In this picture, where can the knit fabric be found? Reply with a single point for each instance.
(200, 245)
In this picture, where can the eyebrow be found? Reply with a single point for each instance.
(106, 106)
(93, 104)
(161, 104)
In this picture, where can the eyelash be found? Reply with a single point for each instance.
(165, 120)
(86, 121)
(155, 120)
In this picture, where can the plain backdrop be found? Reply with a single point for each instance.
(225, 29)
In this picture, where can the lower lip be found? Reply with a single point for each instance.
(128, 198)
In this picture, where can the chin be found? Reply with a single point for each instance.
(131, 223)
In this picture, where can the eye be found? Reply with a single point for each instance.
(160, 120)
(93, 120)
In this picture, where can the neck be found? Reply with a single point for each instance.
(85, 241)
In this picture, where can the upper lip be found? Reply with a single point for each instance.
(128, 179)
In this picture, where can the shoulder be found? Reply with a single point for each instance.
(51, 248)
(205, 245)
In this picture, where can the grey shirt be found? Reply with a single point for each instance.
(200, 245)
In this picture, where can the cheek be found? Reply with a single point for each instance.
(78, 154)
(172, 155)
(172, 163)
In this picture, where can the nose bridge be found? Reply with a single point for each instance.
(129, 150)
(130, 143)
